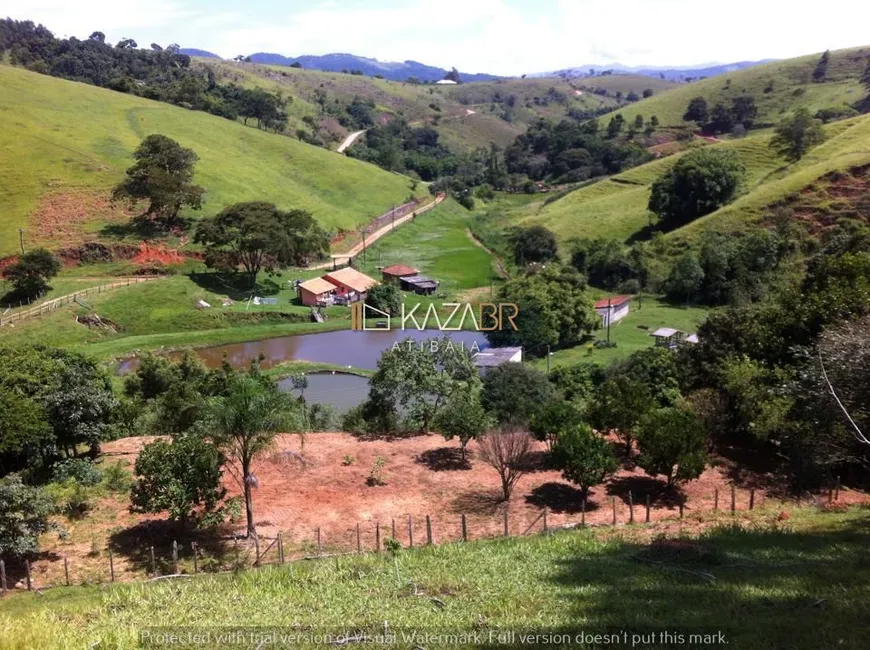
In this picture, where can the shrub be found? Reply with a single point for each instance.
(80, 470)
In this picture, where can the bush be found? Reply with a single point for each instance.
(116, 478)
(80, 470)
(70, 497)
(24, 512)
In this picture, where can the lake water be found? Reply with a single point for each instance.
(360, 349)
(339, 390)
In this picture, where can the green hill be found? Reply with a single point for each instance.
(777, 87)
(66, 144)
(617, 206)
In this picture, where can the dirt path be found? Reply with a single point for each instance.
(502, 270)
(349, 140)
(377, 234)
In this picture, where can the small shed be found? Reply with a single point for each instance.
(396, 271)
(419, 284)
(490, 358)
(667, 337)
(316, 292)
(613, 309)
(445, 82)
(350, 283)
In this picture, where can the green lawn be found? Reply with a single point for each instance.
(66, 144)
(438, 244)
(804, 583)
(632, 333)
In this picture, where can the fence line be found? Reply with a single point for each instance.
(56, 303)
(457, 529)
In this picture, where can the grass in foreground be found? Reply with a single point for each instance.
(804, 583)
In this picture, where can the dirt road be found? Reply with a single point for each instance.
(377, 234)
(349, 140)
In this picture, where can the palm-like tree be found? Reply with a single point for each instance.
(244, 423)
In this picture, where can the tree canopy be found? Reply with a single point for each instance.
(30, 274)
(794, 136)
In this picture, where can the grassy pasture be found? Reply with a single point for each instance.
(777, 87)
(803, 583)
(66, 144)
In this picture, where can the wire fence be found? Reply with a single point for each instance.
(56, 303)
(170, 559)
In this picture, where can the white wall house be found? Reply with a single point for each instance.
(613, 309)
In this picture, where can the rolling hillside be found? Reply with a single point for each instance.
(777, 87)
(66, 144)
(617, 206)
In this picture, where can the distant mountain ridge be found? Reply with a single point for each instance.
(394, 70)
(192, 51)
(669, 73)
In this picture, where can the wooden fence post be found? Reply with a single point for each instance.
(682, 504)
(319, 542)
(280, 547)
(647, 507)
(175, 555)
(3, 587)
(752, 498)
(410, 532)
(630, 508)
(195, 557)
(716, 500)
(583, 512)
(153, 564)
(506, 528)
(394, 528)
(733, 499)
(27, 574)
(66, 569)
(428, 531)
(837, 490)
(358, 540)
(546, 529)
(464, 528)
(613, 507)
(378, 536)
(111, 566)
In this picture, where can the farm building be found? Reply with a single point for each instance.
(396, 271)
(613, 309)
(316, 292)
(419, 284)
(667, 337)
(350, 284)
(494, 357)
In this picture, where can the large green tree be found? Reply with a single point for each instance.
(620, 403)
(514, 393)
(699, 182)
(534, 244)
(673, 442)
(257, 236)
(24, 512)
(797, 134)
(30, 274)
(163, 176)
(585, 458)
(462, 417)
(181, 478)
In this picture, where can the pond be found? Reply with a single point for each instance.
(339, 390)
(360, 349)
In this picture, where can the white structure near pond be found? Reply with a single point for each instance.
(490, 358)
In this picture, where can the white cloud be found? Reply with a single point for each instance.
(498, 36)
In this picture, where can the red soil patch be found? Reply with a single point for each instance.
(60, 217)
(838, 195)
(157, 254)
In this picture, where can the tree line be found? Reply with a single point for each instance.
(162, 74)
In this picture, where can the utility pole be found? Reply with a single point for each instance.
(608, 321)
(548, 358)
(21, 239)
(364, 245)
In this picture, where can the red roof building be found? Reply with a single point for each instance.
(613, 309)
(397, 271)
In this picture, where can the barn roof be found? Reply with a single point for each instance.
(351, 278)
(666, 332)
(317, 286)
(400, 270)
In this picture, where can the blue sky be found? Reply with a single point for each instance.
(508, 37)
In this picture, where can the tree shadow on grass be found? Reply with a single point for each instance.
(235, 285)
(443, 459)
(560, 498)
(478, 502)
(16, 572)
(751, 584)
(538, 461)
(753, 468)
